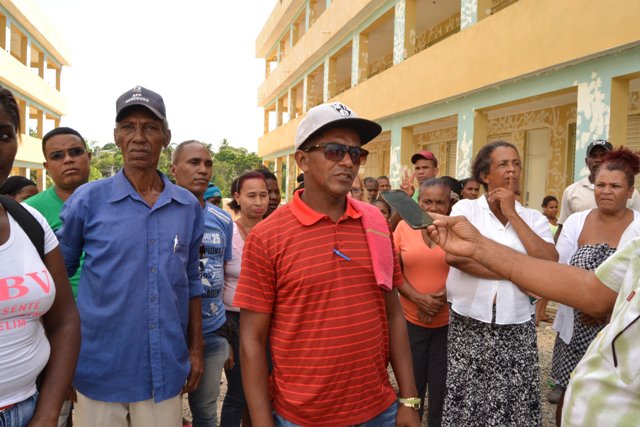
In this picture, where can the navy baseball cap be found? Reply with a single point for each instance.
(143, 97)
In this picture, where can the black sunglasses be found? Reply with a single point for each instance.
(73, 152)
(335, 152)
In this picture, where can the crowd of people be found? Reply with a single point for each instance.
(305, 306)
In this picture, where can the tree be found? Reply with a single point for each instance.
(231, 162)
(228, 162)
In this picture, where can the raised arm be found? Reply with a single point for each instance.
(580, 288)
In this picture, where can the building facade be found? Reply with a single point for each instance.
(32, 55)
(450, 76)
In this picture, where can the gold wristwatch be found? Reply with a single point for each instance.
(410, 402)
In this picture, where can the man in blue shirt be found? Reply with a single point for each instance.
(192, 168)
(140, 291)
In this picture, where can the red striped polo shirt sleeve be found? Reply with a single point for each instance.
(256, 286)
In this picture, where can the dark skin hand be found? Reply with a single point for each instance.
(196, 345)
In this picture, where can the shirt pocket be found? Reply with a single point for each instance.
(622, 351)
(178, 265)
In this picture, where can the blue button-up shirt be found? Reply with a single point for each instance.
(140, 271)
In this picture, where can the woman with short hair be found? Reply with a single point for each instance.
(492, 371)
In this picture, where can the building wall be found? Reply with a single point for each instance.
(497, 76)
(32, 55)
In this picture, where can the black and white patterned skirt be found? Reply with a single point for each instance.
(566, 356)
(492, 374)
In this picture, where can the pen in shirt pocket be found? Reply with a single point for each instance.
(175, 243)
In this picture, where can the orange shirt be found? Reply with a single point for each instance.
(329, 333)
(424, 268)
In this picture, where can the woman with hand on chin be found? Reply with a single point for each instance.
(492, 370)
(250, 201)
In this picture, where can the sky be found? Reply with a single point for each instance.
(198, 54)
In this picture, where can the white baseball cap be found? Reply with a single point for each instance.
(325, 116)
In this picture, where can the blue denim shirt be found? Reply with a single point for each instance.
(140, 271)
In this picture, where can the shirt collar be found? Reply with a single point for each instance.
(307, 216)
(485, 204)
(122, 188)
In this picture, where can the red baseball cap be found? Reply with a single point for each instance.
(427, 155)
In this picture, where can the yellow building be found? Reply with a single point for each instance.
(32, 55)
(450, 76)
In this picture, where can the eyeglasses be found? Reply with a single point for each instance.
(73, 152)
(356, 192)
(335, 152)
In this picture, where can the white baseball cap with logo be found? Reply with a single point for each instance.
(334, 115)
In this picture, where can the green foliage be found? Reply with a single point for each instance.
(228, 163)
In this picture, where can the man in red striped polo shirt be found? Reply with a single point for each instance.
(310, 285)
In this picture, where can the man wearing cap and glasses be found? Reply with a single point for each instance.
(318, 278)
(140, 288)
(579, 196)
(67, 163)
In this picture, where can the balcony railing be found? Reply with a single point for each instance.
(438, 33)
(498, 5)
(380, 64)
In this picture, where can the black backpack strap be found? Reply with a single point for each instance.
(27, 222)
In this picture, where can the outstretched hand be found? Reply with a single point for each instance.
(454, 234)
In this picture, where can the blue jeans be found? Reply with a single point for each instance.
(203, 400)
(19, 414)
(385, 419)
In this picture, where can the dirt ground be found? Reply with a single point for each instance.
(546, 337)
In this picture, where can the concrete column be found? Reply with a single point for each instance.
(402, 148)
(266, 122)
(472, 134)
(305, 94)
(279, 111)
(24, 111)
(42, 179)
(307, 15)
(593, 116)
(58, 77)
(329, 79)
(404, 30)
(42, 64)
(291, 103)
(24, 50)
(309, 91)
(472, 11)
(292, 34)
(619, 111)
(355, 59)
(7, 35)
(3, 34)
(363, 57)
(27, 52)
(40, 116)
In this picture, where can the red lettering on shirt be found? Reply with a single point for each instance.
(9, 284)
(46, 287)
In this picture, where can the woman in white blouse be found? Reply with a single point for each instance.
(492, 371)
(587, 239)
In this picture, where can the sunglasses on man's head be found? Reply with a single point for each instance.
(73, 152)
(335, 152)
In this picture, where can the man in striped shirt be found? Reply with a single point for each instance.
(605, 386)
(308, 284)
